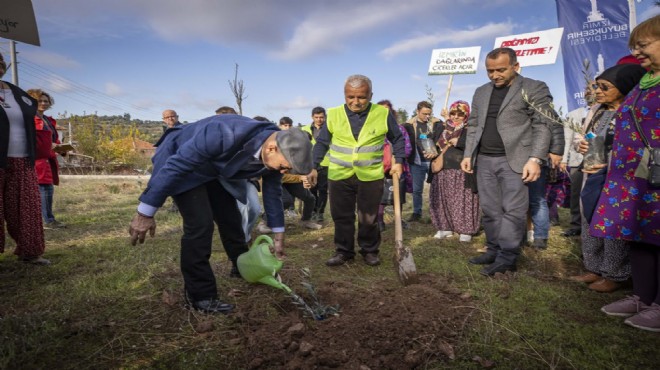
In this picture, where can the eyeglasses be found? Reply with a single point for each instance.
(603, 88)
(641, 47)
(457, 113)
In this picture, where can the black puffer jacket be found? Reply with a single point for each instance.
(557, 140)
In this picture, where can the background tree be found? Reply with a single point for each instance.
(238, 89)
(111, 140)
(401, 115)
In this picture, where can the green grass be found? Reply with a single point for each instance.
(105, 304)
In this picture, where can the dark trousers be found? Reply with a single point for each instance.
(576, 187)
(346, 194)
(297, 190)
(504, 200)
(320, 191)
(200, 207)
(645, 269)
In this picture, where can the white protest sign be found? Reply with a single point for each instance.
(17, 21)
(454, 61)
(534, 48)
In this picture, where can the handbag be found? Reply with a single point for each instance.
(388, 191)
(387, 157)
(591, 191)
(438, 162)
(654, 153)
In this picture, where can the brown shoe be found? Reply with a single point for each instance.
(589, 277)
(371, 259)
(338, 259)
(604, 285)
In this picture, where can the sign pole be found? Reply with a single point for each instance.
(633, 14)
(14, 68)
(451, 79)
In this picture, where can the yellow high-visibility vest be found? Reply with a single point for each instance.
(363, 157)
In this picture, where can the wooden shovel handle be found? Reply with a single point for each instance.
(398, 232)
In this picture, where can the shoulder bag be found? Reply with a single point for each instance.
(654, 153)
(438, 162)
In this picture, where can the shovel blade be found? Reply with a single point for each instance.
(405, 264)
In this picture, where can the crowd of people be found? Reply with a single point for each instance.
(498, 163)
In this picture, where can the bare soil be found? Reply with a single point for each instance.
(379, 327)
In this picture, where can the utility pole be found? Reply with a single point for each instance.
(14, 68)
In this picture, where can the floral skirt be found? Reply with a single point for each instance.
(20, 208)
(452, 206)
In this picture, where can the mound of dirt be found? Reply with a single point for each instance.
(379, 327)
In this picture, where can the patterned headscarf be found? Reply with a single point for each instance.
(452, 129)
(461, 106)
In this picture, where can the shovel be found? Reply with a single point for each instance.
(403, 258)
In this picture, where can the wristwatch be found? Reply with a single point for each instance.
(536, 160)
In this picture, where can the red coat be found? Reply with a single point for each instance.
(47, 168)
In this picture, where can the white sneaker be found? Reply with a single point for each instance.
(263, 229)
(530, 236)
(310, 225)
(443, 234)
(465, 238)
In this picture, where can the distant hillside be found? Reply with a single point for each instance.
(149, 131)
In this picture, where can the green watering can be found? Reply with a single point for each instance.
(258, 265)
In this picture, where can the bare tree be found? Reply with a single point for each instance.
(238, 89)
(430, 97)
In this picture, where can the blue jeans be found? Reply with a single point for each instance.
(249, 211)
(419, 173)
(46, 192)
(538, 206)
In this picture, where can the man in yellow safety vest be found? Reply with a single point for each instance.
(353, 138)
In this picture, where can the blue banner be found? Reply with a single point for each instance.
(596, 31)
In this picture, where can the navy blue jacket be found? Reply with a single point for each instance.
(221, 147)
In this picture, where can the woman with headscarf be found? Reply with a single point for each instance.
(606, 261)
(20, 207)
(454, 204)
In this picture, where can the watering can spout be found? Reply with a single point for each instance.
(259, 265)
